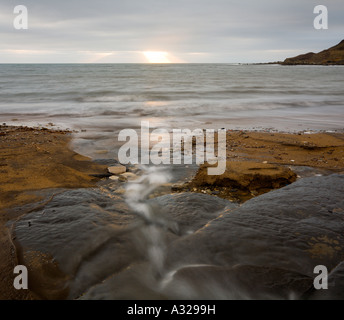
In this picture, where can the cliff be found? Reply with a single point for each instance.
(331, 56)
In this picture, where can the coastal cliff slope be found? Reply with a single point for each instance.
(331, 56)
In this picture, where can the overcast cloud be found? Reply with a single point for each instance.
(227, 31)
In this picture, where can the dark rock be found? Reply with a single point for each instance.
(289, 229)
(265, 249)
(191, 211)
(92, 234)
(85, 231)
(335, 290)
(331, 56)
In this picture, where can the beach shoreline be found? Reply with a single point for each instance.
(38, 159)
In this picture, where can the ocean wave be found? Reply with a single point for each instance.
(166, 91)
(103, 97)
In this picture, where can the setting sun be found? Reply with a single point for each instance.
(156, 57)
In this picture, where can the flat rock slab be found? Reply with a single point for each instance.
(265, 249)
(291, 230)
(191, 211)
(85, 231)
(82, 237)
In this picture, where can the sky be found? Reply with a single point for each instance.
(178, 31)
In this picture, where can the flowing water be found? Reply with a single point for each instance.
(106, 240)
(103, 99)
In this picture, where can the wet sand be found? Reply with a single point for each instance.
(34, 160)
(320, 150)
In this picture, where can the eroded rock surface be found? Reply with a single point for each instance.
(292, 230)
(242, 179)
(247, 175)
(90, 234)
(266, 248)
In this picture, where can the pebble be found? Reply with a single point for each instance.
(129, 175)
(122, 179)
(114, 178)
(117, 169)
(134, 169)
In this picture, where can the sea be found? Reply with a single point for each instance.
(97, 100)
(100, 99)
